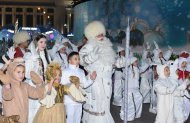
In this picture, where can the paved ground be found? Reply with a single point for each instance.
(146, 116)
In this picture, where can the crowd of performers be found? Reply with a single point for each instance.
(74, 84)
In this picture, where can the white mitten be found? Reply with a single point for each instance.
(170, 48)
(148, 46)
(11, 52)
(59, 38)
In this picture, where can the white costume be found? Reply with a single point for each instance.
(181, 81)
(33, 62)
(135, 98)
(146, 76)
(165, 57)
(98, 56)
(74, 109)
(153, 101)
(178, 100)
(61, 58)
(118, 79)
(146, 82)
(166, 90)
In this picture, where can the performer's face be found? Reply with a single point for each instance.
(135, 63)
(122, 53)
(184, 65)
(75, 60)
(19, 73)
(100, 37)
(42, 44)
(160, 55)
(62, 50)
(24, 44)
(167, 71)
(58, 76)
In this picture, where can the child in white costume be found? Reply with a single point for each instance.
(73, 108)
(61, 56)
(178, 100)
(36, 60)
(146, 75)
(98, 55)
(118, 76)
(159, 57)
(134, 96)
(183, 74)
(166, 90)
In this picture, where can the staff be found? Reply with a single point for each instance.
(126, 76)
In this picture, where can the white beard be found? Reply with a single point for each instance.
(107, 55)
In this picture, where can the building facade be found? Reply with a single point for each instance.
(31, 13)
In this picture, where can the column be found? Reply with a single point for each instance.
(34, 16)
(3, 16)
(24, 17)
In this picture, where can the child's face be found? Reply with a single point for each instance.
(167, 71)
(58, 76)
(184, 65)
(135, 63)
(75, 60)
(42, 44)
(19, 73)
(122, 53)
(62, 50)
(160, 55)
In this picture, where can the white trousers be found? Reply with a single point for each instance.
(73, 113)
(178, 110)
(118, 89)
(145, 89)
(186, 108)
(135, 102)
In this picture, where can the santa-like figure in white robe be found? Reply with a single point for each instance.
(98, 55)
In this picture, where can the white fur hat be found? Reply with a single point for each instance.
(65, 40)
(21, 37)
(60, 46)
(119, 49)
(160, 71)
(94, 28)
(173, 69)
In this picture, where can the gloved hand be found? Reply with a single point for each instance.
(171, 89)
(35, 78)
(170, 48)
(148, 46)
(59, 38)
(182, 86)
(95, 53)
(97, 50)
(11, 52)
